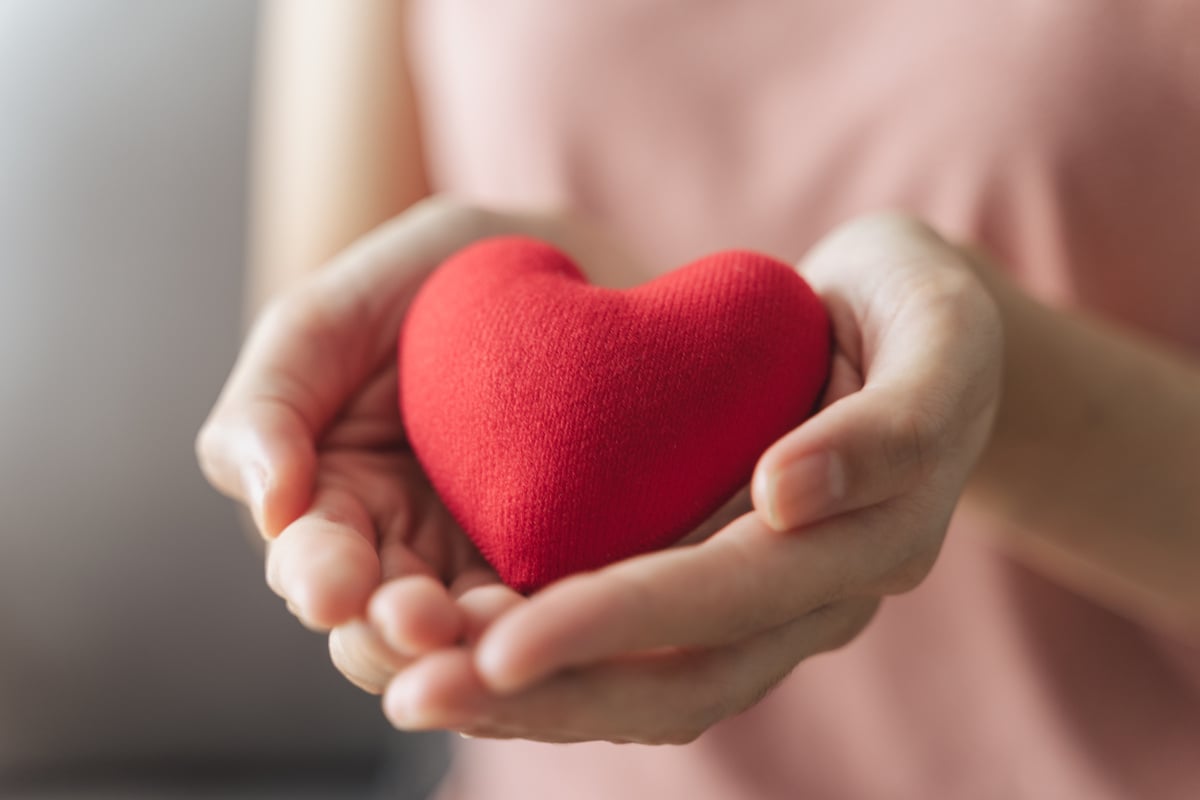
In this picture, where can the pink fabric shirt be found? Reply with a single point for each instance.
(1065, 136)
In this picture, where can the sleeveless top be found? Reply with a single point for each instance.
(1063, 136)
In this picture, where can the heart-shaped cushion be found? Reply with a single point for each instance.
(567, 426)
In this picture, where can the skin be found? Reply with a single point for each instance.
(952, 390)
(335, 111)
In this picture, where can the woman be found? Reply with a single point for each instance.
(1050, 404)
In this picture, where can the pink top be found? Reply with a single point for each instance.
(1063, 135)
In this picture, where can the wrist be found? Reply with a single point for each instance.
(1030, 414)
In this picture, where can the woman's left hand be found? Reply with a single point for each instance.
(850, 507)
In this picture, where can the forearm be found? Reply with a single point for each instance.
(1093, 469)
(336, 141)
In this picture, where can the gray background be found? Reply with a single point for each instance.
(140, 652)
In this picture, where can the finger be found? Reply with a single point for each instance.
(920, 312)
(263, 457)
(415, 615)
(907, 305)
(314, 346)
(259, 444)
(325, 564)
(310, 351)
(362, 657)
(746, 578)
(870, 446)
(415, 611)
(664, 698)
(483, 605)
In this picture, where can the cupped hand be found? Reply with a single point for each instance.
(849, 508)
(306, 434)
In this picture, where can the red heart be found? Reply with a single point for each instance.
(567, 426)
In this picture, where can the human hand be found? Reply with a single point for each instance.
(307, 435)
(851, 507)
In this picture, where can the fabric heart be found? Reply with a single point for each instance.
(567, 426)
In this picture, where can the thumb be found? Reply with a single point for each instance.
(911, 318)
(264, 457)
(864, 449)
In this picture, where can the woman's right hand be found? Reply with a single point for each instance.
(307, 435)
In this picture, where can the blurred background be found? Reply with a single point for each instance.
(141, 654)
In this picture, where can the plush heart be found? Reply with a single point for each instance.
(567, 426)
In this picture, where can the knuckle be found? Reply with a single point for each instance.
(639, 597)
(719, 694)
(703, 700)
(845, 635)
(855, 618)
(273, 313)
(864, 239)
(913, 441)
(758, 692)
(438, 205)
(303, 309)
(839, 576)
(445, 211)
(888, 225)
(909, 575)
(952, 295)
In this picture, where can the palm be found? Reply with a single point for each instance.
(307, 434)
(366, 467)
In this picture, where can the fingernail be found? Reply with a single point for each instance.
(254, 486)
(804, 490)
(402, 709)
